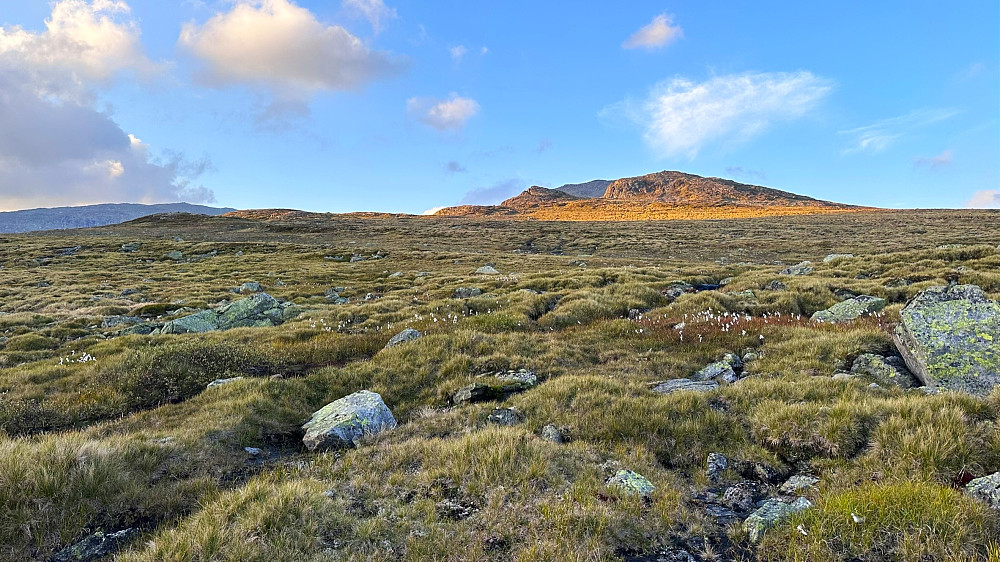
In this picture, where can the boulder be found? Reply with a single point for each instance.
(504, 416)
(174, 255)
(741, 497)
(96, 546)
(720, 370)
(487, 270)
(130, 247)
(949, 337)
(680, 385)
(850, 309)
(775, 285)
(342, 423)
(884, 370)
(467, 292)
(796, 484)
(406, 335)
(677, 288)
(986, 489)
(220, 382)
(715, 465)
(803, 268)
(249, 287)
(631, 483)
(260, 310)
(502, 386)
(769, 514)
(552, 433)
(829, 258)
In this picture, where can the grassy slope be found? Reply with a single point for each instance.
(134, 439)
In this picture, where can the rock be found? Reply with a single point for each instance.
(467, 292)
(249, 287)
(96, 546)
(333, 295)
(680, 385)
(553, 434)
(775, 285)
(253, 451)
(884, 370)
(129, 292)
(220, 382)
(260, 310)
(487, 270)
(796, 484)
(772, 512)
(631, 483)
(726, 281)
(715, 465)
(986, 489)
(746, 295)
(741, 497)
(832, 257)
(850, 309)
(454, 510)
(717, 370)
(666, 555)
(504, 416)
(130, 247)
(396, 275)
(114, 321)
(406, 335)
(759, 471)
(174, 255)
(476, 392)
(677, 288)
(897, 283)
(357, 257)
(803, 268)
(949, 337)
(344, 422)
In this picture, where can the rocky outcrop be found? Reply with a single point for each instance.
(467, 292)
(406, 335)
(949, 337)
(804, 268)
(886, 371)
(344, 422)
(260, 310)
(850, 309)
(769, 514)
(498, 387)
(986, 489)
(96, 546)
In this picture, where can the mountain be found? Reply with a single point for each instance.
(93, 215)
(593, 188)
(658, 196)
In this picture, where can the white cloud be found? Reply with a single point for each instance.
(457, 52)
(432, 210)
(984, 199)
(656, 33)
(680, 117)
(879, 135)
(940, 161)
(375, 11)
(443, 115)
(55, 147)
(283, 48)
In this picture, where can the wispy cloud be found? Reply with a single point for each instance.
(657, 33)
(375, 11)
(454, 167)
(942, 160)
(680, 117)
(984, 199)
(745, 173)
(457, 52)
(881, 134)
(491, 195)
(443, 115)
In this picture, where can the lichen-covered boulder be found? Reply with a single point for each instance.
(680, 385)
(772, 512)
(342, 423)
(553, 434)
(677, 288)
(884, 370)
(204, 321)
(986, 489)
(797, 483)
(406, 335)
(487, 270)
(850, 309)
(467, 292)
(949, 337)
(803, 268)
(631, 483)
(260, 310)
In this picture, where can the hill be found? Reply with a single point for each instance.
(84, 216)
(658, 196)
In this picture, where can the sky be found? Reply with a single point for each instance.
(405, 106)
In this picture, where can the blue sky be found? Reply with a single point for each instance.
(405, 106)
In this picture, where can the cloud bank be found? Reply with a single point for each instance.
(657, 33)
(984, 199)
(680, 117)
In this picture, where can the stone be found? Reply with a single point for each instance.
(745, 295)
(96, 546)
(130, 247)
(249, 287)
(850, 309)
(718, 370)
(115, 321)
(553, 434)
(406, 335)
(357, 257)
(832, 257)
(741, 497)
(253, 451)
(467, 292)
(344, 422)
(174, 255)
(504, 416)
(986, 489)
(769, 514)
(884, 370)
(220, 382)
(759, 471)
(487, 270)
(803, 268)
(677, 288)
(632, 483)
(796, 484)
(715, 465)
(333, 295)
(775, 285)
(396, 275)
(680, 385)
(260, 310)
(949, 337)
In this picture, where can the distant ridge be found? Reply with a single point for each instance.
(86, 216)
(658, 196)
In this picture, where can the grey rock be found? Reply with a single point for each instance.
(775, 285)
(553, 434)
(487, 270)
(772, 512)
(850, 309)
(130, 247)
(741, 497)
(832, 257)
(504, 416)
(220, 382)
(467, 292)
(803, 268)
(949, 337)
(357, 257)
(249, 287)
(260, 310)
(986, 489)
(715, 465)
(406, 335)
(396, 275)
(884, 370)
(95, 546)
(344, 422)
(680, 385)
(115, 321)
(796, 484)
(174, 255)
(677, 288)
(718, 370)
(253, 451)
(631, 483)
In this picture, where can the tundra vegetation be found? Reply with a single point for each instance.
(106, 428)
